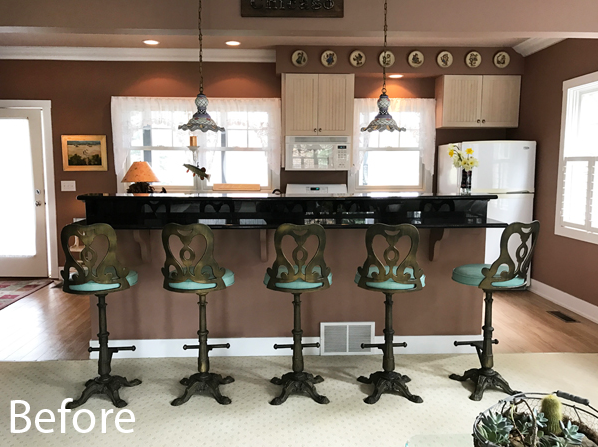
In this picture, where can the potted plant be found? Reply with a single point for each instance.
(538, 420)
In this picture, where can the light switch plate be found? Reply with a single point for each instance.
(68, 185)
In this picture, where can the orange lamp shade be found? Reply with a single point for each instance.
(140, 171)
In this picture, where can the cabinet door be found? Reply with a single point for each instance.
(500, 101)
(459, 101)
(301, 104)
(335, 104)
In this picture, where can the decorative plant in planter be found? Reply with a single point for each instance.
(537, 420)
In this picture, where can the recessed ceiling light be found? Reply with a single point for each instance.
(395, 76)
(233, 43)
(151, 42)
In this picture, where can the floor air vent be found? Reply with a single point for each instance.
(560, 315)
(346, 338)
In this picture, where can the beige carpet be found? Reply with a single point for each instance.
(443, 420)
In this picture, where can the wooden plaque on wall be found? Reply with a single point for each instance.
(292, 8)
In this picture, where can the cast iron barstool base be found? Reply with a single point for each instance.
(104, 383)
(298, 381)
(204, 380)
(485, 376)
(388, 380)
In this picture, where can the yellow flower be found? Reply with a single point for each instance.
(469, 151)
(451, 153)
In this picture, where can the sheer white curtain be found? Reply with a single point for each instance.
(253, 124)
(417, 115)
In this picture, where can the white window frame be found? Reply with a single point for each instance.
(572, 90)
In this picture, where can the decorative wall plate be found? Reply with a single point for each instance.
(328, 58)
(473, 59)
(415, 59)
(444, 59)
(388, 61)
(502, 59)
(357, 58)
(299, 58)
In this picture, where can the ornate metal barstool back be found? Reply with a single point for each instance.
(505, 273)
(389, 276)
(300, 275)
(97, 275)
(189, 273)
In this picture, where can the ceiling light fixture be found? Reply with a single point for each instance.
(151, 42)
(233, 43)
(201, 120)
(383, 121)
(395, 76)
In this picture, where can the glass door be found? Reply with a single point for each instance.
(23, 246)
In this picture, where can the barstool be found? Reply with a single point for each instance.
(505, 273)
(304, 274)
(97, 275)
(390, 277)
(189, 273)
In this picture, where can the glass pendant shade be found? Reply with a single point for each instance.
(201, 120)
(383, 121)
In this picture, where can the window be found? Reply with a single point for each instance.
(248, 151)
(394, 161)
(577, 194)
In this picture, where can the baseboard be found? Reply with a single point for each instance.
(570, 302)
(254, 346)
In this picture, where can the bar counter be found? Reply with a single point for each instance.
(452, 233)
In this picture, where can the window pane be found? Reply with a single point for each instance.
(168, 167)
(574, 196)
(587, 140)
(257, 120)
(162, 137)
(236, 138)
(236, 120)
(390, 168)
(246, 167)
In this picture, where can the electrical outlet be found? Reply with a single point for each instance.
(68, 185)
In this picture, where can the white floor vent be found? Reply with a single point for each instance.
(346, 338)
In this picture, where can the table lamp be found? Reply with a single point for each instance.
(141, 174)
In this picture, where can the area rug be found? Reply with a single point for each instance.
(13, 290)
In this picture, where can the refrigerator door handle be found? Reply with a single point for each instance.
(519, 192)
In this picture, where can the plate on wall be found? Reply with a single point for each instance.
(387, 61)
(415, 59)
(502, 59)
(444, 59)
(328, 58)
(473, 59)
(299, 58)
(357, 58)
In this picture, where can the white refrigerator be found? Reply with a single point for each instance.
(507, 169)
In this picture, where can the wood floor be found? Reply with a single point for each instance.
(52, 325)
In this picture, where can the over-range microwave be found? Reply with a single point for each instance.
(317, 153)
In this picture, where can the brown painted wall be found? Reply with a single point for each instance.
(566, 264)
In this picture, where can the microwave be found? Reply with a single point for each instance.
(315, 153)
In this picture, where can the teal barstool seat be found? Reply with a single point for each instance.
(390, 274)
(305, 272)
(506, 273)
(97, 272)
(189, 273)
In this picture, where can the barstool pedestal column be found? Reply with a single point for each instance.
(204, 380)
(105, 383)
(485, 376)
(298, 381)
(388, 380)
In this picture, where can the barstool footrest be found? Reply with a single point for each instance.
(185, 347)
(310, 345)
(115, 349)
(276, 346)
(381, 346)
(475, 344)
(219, 346)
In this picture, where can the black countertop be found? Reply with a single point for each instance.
(264, 210)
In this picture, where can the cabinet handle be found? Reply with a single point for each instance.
(315, 130)
(320, 129)
(478, 121)
(483, 121)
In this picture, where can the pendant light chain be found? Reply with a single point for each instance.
(200, 49)
(385, 54)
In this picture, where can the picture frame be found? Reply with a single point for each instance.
(84, 153)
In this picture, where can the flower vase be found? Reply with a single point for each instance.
(465, 189)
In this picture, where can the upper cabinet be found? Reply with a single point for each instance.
(477, 101)
(318, 104)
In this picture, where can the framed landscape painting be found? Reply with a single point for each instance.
(84, 153)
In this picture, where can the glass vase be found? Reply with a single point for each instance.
(465, 189)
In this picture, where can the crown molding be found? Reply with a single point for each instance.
(535, 44)
(136, 54)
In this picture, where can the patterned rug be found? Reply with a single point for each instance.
(13, 290)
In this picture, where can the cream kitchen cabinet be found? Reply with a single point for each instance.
(318, 104)
(477, 101)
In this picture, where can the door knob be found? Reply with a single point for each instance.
(320, 129)
(478, 121)
(483, 121)
(38, 203)
(315, 130)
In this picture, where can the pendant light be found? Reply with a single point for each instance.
(383, 120)
(201, 120)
